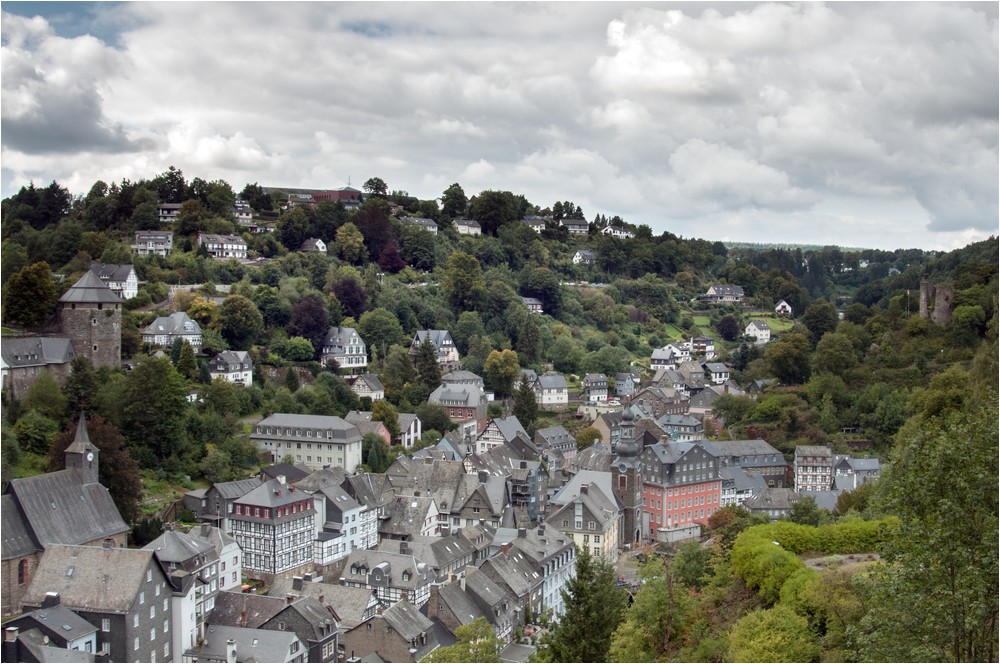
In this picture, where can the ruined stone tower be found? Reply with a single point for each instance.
(90, 314)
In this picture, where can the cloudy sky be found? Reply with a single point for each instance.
(857, 124)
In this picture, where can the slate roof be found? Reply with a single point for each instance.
(292, 472)
(343, 430)
(437, 337)
(460, 603)
(759, 324)
(741, 448)
(597, 457)
(374, 384)
(89, 289)
(39, 646)
(252, 645)
(420, 572)
(173, 324)
(215, 238)
(58, 508)
(90, 578)
(468, 223)
(111, 272)
(15, 534)
(571, 489)
(229, 360)
(176, 547)
(462, 376)
(59, 621)
(407, 515)
(341, 336)
(36, 351)
(468, 396)
(742, 480)
(774, 498)
(813, 450)
(552, 381)
(370, 489)
(509, 427)
(555, 436)
(230, 606)
(314, 614)
(273, 493)
(407, 620)
(349, 603)
(438, 552)
(237, 488)
(603, 507)
(318, 480)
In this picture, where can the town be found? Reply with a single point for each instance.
(344, 425)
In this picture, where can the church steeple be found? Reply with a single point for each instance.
(82, 454)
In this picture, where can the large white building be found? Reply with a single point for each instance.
(313, 440)
(345, 346)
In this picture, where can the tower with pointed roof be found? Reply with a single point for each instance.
(83, 454)
(626, 477)
(90, 314)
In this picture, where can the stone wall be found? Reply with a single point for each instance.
(95, 333)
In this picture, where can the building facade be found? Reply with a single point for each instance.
(313, 440)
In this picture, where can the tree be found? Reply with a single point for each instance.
(728, 327)
(390, 259)
(186, 364)
(292, 379)
(351, 243)
(453, 202)
(310, 320)
(773, 635)
(216, 465)
(543, 283)
(386, 413)
(493, 209)
(374, 451)
(819, 318)
(500, 369)
(594, 609)
(477, 642)
(834, 353)
(586, 437)
(376, 187)
(352, 297)
(463, 282)
(525, 405)
(81, 384)
(155, 398)
(298, 349)
(936, 596)
(654, 622)
(35, 432)
(241, 322)
(806, 512)
(117, 470)
(30, 296)
(428, 369)
(397, 372)
(788, 358)
(690, 564)
(46, 397)
(469, 324)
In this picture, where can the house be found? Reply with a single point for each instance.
(681, 485)
(351, 606)
(222, 246)
(717, 372)
(315, 440)
(313, 624)
(165, 329)
(232, 366)
(121, 279)
(774, 502)
(850, 473)
(313, 245)
(274, 525)
(595, 387)
(159, 243)
(591, 519)
(391, 577)
(533, 303)
(242, 213)
(427, 224)
(410, 429)
(215, 504)
(555, 438)
(444, 347)
(575, 226)
(400, 634)
(498, 431)
(167, 212)
(551, 390)
(408, 516)
(347, 524)
(362, 419)
(244, 644)
(584, 257)
(704, 346)
(618, 232)
(659, 401)
(662, 358)
(759, 330)
(681, 428)
(23, 359)
(750, 455)
(67, 507)
(463, 377)
(723, 294)
(37, 636)
(739, 486)
(230, 556)
(813, 468)
(535, 222)
(551, 556)
(467, 227)
(466, 404)
(783, 309)
(123, 592)
(627, 384)
(367, 385)
(344, 346)
(448, 555)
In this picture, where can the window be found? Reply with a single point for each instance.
(164, 604)
(166, 626)
(22, 572)
(142, 597)
(166, 649)
(152, 634)
(135, 620)
(135, 644)
(105, 624)
(152, 610)
(149, 575)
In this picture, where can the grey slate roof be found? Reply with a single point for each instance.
(407, 515)
(237, 488)
(742, 480)
(342, 429)
(230, 606)
(36, 351)
(420, 572)
(509, 427)
(15, 534)
(176, 547)
(111, 272)
(555, 436)
(407, 620)
(89, 289)
(460, 603)
(571, 489)
(349, 604)
(252, 645)
(59, 508)
(59, 621)
(293, 472)
(273, 493)
(90, 578)
(173, 324)
(456, 394)
(38, 644)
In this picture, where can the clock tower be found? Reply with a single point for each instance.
(626, 476)
(82, 454)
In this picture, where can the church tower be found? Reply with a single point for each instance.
(83, 454)
(626, 477)
(90, 314)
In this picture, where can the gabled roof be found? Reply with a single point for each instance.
(461, 394)
(174, 546)
(408, 622)
(438, 337)
(58, 508)
(407, 515)
(173, 324)
(58, 621)
(342, 336)
(237, 488)
(252, 645)
(552, 381)
(230, 608)
(469, 223)
(112, 272)
(89, 289)
(15, 534)
(571, 489)
(741, 480)
(230, 358)
(394, 564)
(273, 493)
(369, 379)
(292, 471)
(221, 239)
(759, 324)
(36, 351)
(460, 603)
(739, 448)
(90, 578)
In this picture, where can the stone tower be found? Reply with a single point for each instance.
(626, 478)
(90, 314)
(82, 454)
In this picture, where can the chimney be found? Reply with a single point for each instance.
(524, 464)
(583, 489)
(289, 599)
(231, 651)
(296, 583)
(281, 480)
(482, 476)
(505, 549)
(321, 598)
(10, 634)
(404, 547)
(541, 530)
(50, 599)
(522, 532)
(308, 576)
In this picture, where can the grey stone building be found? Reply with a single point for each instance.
(90, 314)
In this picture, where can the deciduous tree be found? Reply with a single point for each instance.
(240, 322)
(773, 635)
(500, 369)
(30, 296)
(477, 642)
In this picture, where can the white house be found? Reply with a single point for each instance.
(410, 429)
(783, 309)
(551, 390)
(444, 345)
(167, 212)
(467, 227)
(758, 329)
(346, 347)
(575, 226)
(313, 440)
(222, 246)
(234, 366)
(533, 303)
(595, 387)
(367, 385)
(583, 256)
(163, 331)
(119, 278)
(662, 358)
(313, 245)
(153, 242)
(618, 231)
(427, 224)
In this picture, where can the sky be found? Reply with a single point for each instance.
(855, 124)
